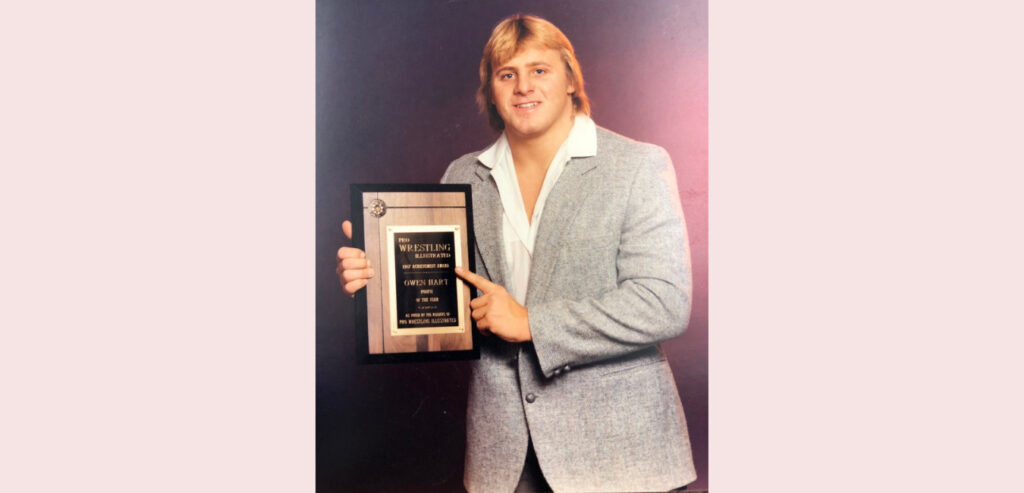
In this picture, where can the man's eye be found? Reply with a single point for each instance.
(506, 76)
(540, 71)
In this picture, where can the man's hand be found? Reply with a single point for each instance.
(497, 311)
(353, 267)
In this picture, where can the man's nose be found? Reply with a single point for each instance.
(524, 85)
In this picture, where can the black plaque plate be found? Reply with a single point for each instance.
(426, 292)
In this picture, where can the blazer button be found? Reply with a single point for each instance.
(530, 397)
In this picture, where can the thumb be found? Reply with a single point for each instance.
(346, 227)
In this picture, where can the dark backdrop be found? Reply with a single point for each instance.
(395, 86)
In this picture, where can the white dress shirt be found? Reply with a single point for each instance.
(518, 231)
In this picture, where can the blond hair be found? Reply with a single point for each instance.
(510, 36)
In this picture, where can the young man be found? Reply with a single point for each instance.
(583, 269)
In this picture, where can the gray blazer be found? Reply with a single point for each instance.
(610, 280)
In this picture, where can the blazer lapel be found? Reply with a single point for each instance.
(559, 211)
(487, 225)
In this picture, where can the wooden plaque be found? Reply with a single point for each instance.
(414, 308)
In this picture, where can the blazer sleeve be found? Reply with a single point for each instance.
(652, 300)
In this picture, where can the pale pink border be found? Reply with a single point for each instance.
(866, 246)
(157, 321)
(158, 239)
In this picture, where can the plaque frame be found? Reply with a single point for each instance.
(413, 208)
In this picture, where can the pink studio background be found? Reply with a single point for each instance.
(395, 103)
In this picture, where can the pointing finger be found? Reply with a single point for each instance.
(476, 280)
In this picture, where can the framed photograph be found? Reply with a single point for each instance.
(415, 308)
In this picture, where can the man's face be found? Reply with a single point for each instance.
(532, 92)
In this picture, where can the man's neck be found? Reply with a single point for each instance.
(535, 154)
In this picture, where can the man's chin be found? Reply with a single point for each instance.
(524, 131)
